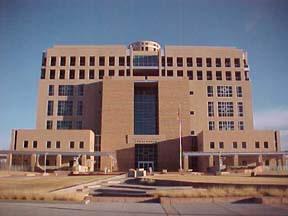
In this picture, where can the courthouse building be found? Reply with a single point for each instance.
(120, 107)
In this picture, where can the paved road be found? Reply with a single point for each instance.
(109, 209)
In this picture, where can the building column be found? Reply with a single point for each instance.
(33, 162)
(84, 160)
(59, 160)
(235, 160)
(284, 161)
(9, 161)
(186, 163)
(260, 160)
(272, 162)
(211, 161)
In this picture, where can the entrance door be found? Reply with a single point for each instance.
(146, 164)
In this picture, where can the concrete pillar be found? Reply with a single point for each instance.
(236, 160)
(59, 160)
(186, 163)
(211, 161)
(9, 161)
(272, 163)
(84, 160)
(33, 162)
(284, 161)
(260, 160)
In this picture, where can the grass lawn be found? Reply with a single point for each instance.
(229, 179)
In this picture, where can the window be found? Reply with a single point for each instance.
(64, 124)
(43, 73)
(51, 90)
(121, 61)
(58, 144)
(235, 145)
(72, 61)
(44, 59)
(163, 61)
(127, 72)
(62, 61)
(267, 163)
(237, 62)
(246, 75)
(121, 72)
(82, 60)
(53, 61)
(34, 144)
(81, 74)
(169, 61)
(191, 92)
(266, 145)
(257, 144)
(62, 74)
(80, 108)
(72, 74)
(163, 73)
(192, 132)
(189, 62)
(111, 72)
(218, 75)
(221, 145)
(208, 62)
(225, 109)
(226, 125)
(92, 61)
(111, 61)
(199, 75)
(238, 75)
(211, 125)
(49, 124)
(50, 108)
(210, 91)
(170, 73)
(78, 124)
(212, 145)
(91, 74)
(224, 91)
(101, 74)
(25, 144)
(72, 144)
(199, 62)
(52, 74)
(180, 73)
(240, 125)
(240, 109)
(81, 145)
(80, 90)
(210, 109)
(228, 75)
(227, 62)
(128, 60)
(65, 108)
(101, 60)
(190, 74)
(65, 90)
(191, 112)
(179, 62)
(244, 145)
(48, 144)
(209, 75)
(239, 91)
(218, 62)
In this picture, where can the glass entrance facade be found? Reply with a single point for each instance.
(146, 155)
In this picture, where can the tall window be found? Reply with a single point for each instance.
(218, 62)
(227, 62)
(53, 61)
(209, 75)
(199, 75)
(190, 74)
(101, 60)
(80, 90)
(91, 74)
(224, 91)
(92, 61)
(228, 75)
(199, 62)
(239, 91)
(65, 90)
(81, 74)
(238, 75)
(62, 74)
(80, 108)
(50, 108)
(244, 145)
(111, 61)
(52, 74)
(226, 125)
(49, 124)
(218, 75)
(225, 109)
(210, 109)
(62, 61)
(210, 91)
(208, 62)
(82, 60)
(212, 145)
(72, 61)
(211, 125)
(189, 62)
(72, 74)
(169, 61)
(121, 61)
(43, 73)
(240, 125)
(65, 108)
(51, 90)
(237, 62)
(240, 109)
(179, 62)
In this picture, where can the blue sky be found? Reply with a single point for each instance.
(27, 27)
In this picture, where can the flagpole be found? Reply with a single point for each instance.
(180, 138)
